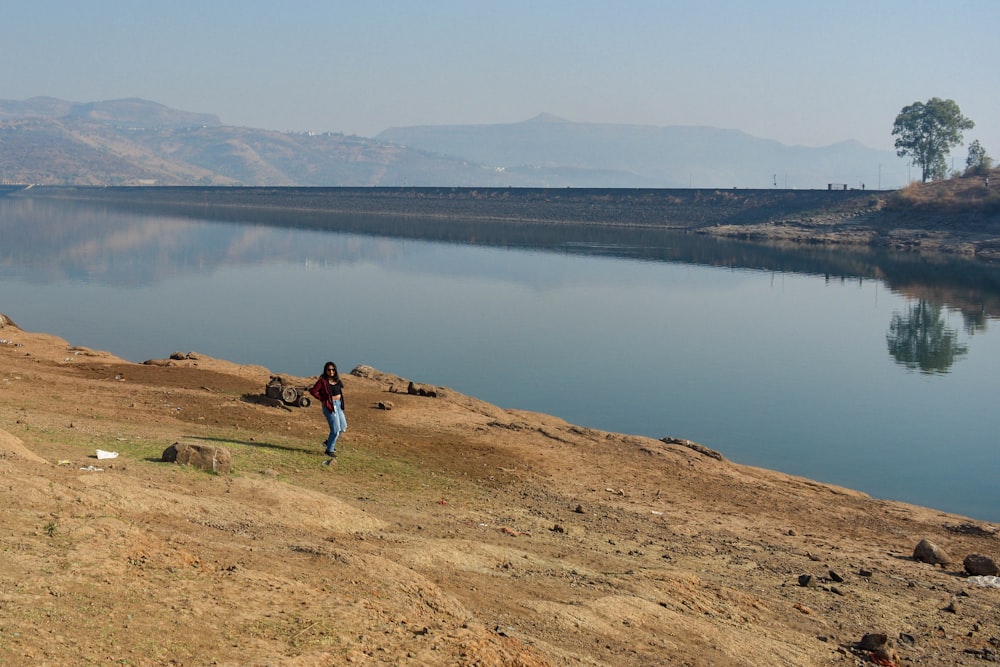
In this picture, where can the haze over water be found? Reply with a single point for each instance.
(794, 360)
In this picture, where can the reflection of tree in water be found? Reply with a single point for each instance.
(975, 321)
(920, 339)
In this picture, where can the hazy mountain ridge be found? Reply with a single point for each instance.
(127, 142)
(672, 156)
(133, 141)
(133, 110)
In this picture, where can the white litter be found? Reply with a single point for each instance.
(984, 581)
(92, 469)
(101, 454)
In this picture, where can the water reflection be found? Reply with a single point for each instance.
(129, 244)
(920, 339)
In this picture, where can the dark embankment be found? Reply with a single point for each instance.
(686, 209)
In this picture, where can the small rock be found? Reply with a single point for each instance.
(206, 457)
(579, 509)
(977, 564)
(385, 405)
(806, 580)
(928, 552)
(415, 389)
(701, 449)
(872, 641)
(558, 528)
(836, 577)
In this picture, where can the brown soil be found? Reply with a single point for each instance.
(448, 532)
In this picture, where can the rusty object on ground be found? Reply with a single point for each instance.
(278, 389)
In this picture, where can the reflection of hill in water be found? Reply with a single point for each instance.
(52, 241)
(133, 243)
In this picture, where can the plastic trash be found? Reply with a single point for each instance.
(985, 581)
(101, 454)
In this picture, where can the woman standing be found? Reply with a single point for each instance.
(329, 391)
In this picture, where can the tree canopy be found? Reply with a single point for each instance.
(926, 133)
(978, 161)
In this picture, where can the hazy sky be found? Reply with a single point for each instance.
(802, 72)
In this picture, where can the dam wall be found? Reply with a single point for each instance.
(672, 208)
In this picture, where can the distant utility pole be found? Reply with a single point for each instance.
(775, 179)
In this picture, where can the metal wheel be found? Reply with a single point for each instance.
(288, 394)
(304, 401)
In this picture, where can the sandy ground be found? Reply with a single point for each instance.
(448, 532)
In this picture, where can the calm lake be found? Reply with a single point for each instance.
(868, 370)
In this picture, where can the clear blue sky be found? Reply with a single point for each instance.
(802, 72)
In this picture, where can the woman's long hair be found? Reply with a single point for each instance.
(336, 373)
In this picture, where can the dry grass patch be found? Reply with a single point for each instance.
(961, 194)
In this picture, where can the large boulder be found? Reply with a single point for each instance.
(928, 552)
(207, 457)
(977, 564)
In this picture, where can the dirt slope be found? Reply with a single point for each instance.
(448, 532)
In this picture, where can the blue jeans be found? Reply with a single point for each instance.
(338, 424)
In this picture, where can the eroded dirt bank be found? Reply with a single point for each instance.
(448, 532)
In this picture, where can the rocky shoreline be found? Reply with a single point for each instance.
(450, 531)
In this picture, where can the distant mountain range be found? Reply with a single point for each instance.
(649, 156)
(133, 141)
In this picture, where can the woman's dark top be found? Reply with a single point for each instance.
(323, 391)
